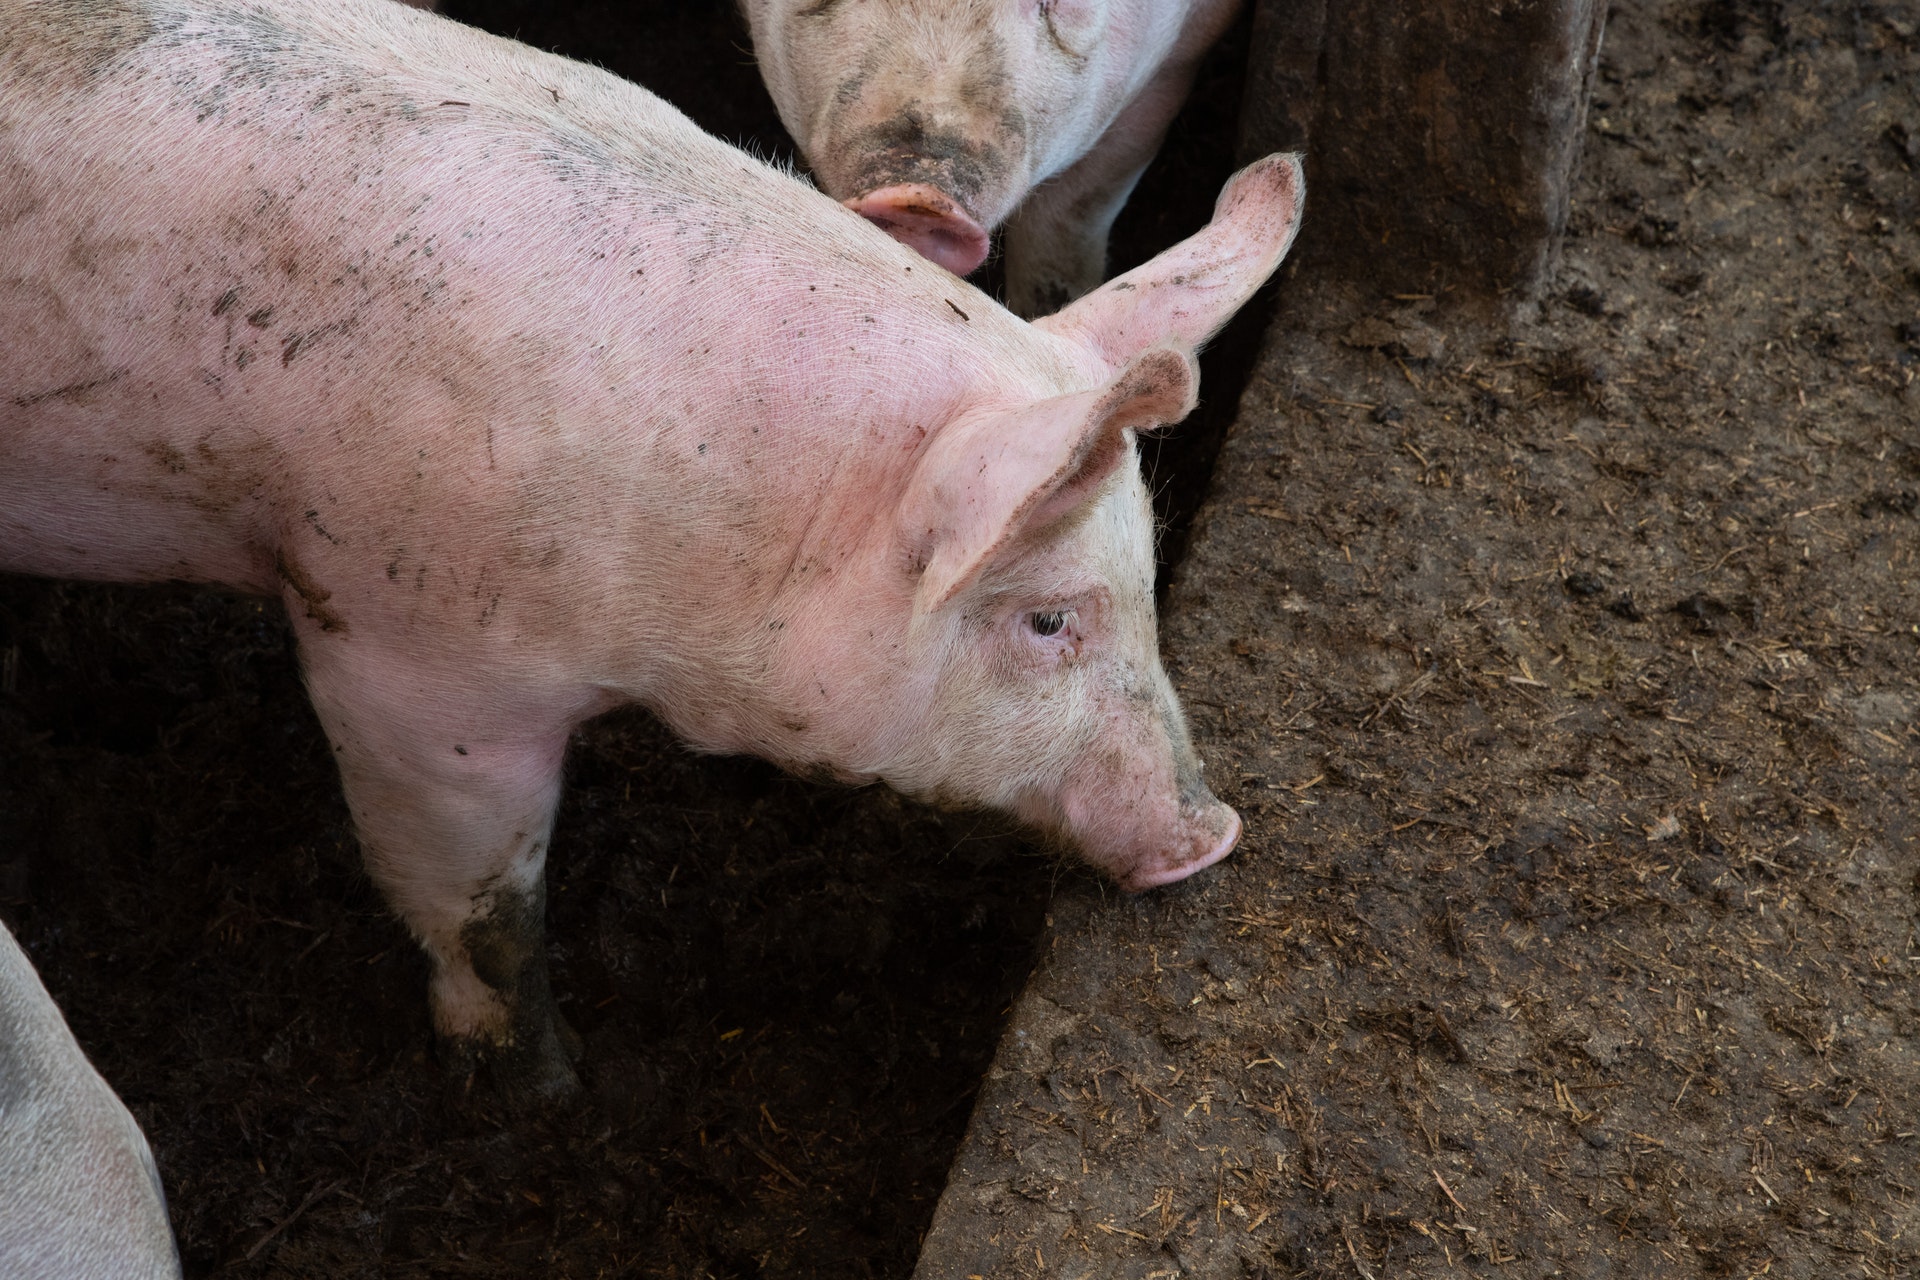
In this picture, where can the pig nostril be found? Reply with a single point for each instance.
(928, 221)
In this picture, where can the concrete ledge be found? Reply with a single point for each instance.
(1442, 137)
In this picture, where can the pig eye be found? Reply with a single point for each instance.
(1047, 624)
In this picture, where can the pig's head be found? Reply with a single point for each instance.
(933, 118)
(1031, 536)
(1004, 647)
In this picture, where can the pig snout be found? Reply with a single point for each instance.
(1215, 833)
(1153, 820)
(1140, 830)
(928, 221)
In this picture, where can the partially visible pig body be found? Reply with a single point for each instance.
(80, 1198)
(529, 399)
(940, 119)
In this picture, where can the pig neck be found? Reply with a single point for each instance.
(800, 437)
(777, 367)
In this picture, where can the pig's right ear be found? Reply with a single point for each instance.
(1182, 297)
(996, 475)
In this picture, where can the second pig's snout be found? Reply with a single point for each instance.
(928, 221)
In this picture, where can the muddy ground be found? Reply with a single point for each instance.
(788, 992)
(1566, 673)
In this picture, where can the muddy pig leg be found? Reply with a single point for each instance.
(452, 783)
(1056, 241)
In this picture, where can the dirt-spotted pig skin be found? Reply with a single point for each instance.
(529, 399)
(80, 1198)
(942, 119)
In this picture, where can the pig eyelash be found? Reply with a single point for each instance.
(1054, 635)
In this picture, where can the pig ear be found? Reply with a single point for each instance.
(992, 476)
(1184, 296)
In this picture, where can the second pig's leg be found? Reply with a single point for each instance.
(453, 795)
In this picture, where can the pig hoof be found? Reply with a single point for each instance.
(523, 1077)
(570, 1042)
(528, 1051)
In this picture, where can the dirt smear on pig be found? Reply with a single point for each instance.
(70, 44)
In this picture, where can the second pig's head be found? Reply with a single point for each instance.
(934, 118)
(1005, 650)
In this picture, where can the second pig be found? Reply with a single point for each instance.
(940, 119)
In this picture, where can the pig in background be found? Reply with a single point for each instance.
(438, 339)
(80, 1198)
(939, 120)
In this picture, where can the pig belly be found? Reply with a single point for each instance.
(131, 447)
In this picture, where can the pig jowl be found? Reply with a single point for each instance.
(440, 340)
(942, 120)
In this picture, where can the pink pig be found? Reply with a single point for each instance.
(940, 119)
(529, 399)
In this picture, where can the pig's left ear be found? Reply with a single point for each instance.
(995, 475)
(1182, 297)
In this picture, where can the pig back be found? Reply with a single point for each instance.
(254, 254)
(306, 293)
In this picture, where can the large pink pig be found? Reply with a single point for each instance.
(530, 399)
(940, 119)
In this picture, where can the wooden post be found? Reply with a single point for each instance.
(1441, 136)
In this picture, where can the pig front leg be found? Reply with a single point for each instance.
(1056, 241)
(453, 787)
